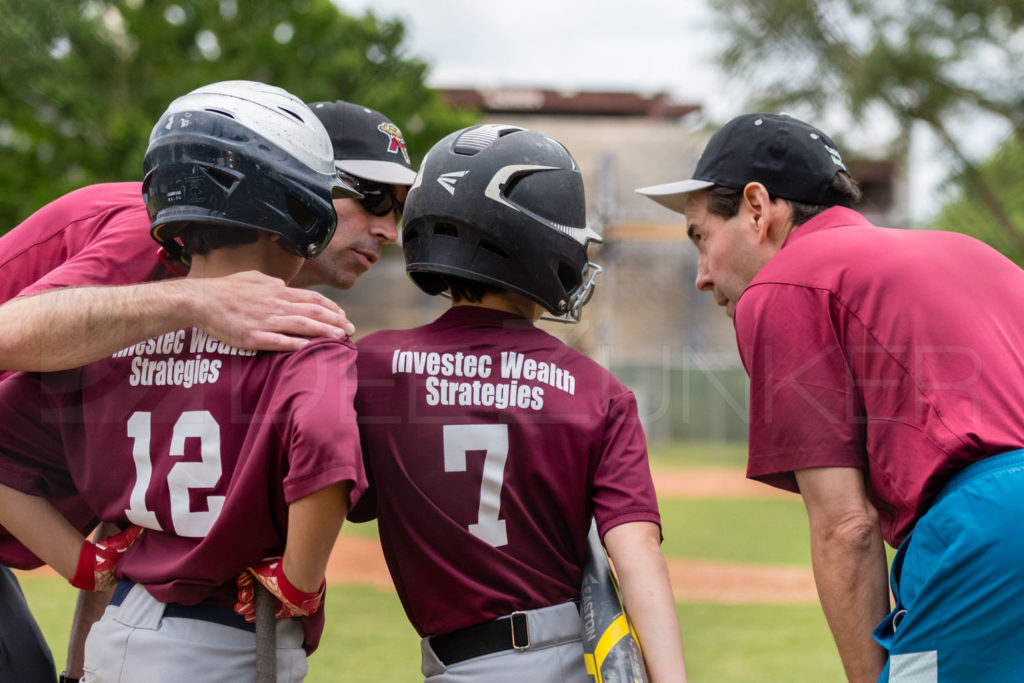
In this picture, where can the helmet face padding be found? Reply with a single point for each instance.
(242, 154)
(503, 206)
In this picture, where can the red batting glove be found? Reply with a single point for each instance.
(96, 561)
(291, 601)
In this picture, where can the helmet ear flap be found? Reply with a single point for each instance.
(569, 276)
(300, 213)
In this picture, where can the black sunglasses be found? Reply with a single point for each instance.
(378, 199)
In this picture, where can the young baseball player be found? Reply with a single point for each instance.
(490, 444)
(99, 235)
(886, 387)
(231, 462)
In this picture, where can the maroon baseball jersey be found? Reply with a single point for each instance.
(202, 444)
(490, 445)
(900, 352)
(98, 234)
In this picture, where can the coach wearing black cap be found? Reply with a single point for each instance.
(886, 387)
(370, 154)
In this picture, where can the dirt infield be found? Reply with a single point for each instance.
(359, 560)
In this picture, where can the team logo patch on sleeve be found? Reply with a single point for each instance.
(396, 143)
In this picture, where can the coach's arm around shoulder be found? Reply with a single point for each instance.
(69, 327)
(849, 563)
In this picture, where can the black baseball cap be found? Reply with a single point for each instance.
(792, 159)
(366, 143)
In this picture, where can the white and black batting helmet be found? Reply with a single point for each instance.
(504, 206)
(244, 154)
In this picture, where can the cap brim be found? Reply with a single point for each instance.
(389, 172)
(673, 195)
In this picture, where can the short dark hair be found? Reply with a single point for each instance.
(462, 289)
(725, 201)
(202, 238)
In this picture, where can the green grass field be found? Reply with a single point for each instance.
(368, 639)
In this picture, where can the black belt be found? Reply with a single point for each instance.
(505, 633)
(204, 611)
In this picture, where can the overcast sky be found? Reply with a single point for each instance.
(634, 45)
(639, 45)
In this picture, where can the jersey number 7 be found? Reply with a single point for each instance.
(493, 439)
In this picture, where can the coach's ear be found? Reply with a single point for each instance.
(754, 205)
(770, 218)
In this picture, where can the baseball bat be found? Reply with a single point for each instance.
(611, 650)
(266, 635)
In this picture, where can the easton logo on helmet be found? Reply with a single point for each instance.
(396, 141)
(448, 180)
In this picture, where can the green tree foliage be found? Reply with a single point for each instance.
(939, 62)
(1004, 172)
(82, 83)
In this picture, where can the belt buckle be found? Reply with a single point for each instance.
(521, 623)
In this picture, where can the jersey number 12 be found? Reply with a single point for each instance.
(183, 476)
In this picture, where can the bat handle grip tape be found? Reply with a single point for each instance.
(266, 635)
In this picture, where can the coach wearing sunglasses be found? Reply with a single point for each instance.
(370, 154)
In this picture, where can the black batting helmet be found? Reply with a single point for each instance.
(504, 206)
(244, 154)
